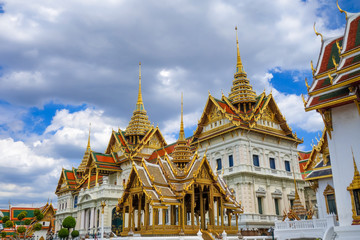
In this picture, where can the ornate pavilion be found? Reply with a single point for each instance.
(179, 194)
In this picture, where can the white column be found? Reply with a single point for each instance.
(95, 218)
(83, 219)
(92, 217)
(86, 219)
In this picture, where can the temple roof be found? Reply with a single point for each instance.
(264, 107)
(164, 184)
(337, 74)
(241, 91)
(139, 123)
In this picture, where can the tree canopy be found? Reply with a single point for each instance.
(27, 222)
(63, 233)
(21, 230)
(75, 234)
(5, 219)
(69, 222)
(37, 226)
(9, 224)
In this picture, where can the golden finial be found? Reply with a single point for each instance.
(356, 171)
(103, 205)
(334, 62)
(307, 85)
(330, 78)
(296, 191)
(312, 68)
(182, 134)
(139, 101)
(88, 145)
(302, 96)
(239, 65)
(337, 3)
(317, 33)
(338, 46)
(209, 92)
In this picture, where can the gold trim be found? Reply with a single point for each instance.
(320, 177)
(329, 190)
(327, 104)
(350, 52)
(354, 185)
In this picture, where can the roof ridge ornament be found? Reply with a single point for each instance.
(239, 65)
(318, 34)
(342, 11)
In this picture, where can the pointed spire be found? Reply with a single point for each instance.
(139, 123)
(241, 91)
(356, 171)
(182, 133)
(296, 191)
(182, 154)
(239, 65)
(88, 145)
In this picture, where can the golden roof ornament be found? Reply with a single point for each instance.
(182, 154)
(337, 3)
(139, 123)
(241, 91)
(83, 163)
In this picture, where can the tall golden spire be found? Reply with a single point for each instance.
(139, 100)
(182, 133)
(182, 154)
(239, 65)
(139, 123)
(82, 166)
(241, 91)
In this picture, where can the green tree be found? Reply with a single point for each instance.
(21, 216)
(69, 222)
(5, 219)
(63, 233)
(3, 234)
(21, 230)
(37, 226)
(9, 224)
(75, 233)
(36, 212)
(39, 217)
(27, 221)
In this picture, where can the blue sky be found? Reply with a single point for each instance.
(66, 64)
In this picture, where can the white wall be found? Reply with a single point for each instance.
(345, 134)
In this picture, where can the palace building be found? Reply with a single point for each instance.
(102, 176)
(248, 142)
(145, 194)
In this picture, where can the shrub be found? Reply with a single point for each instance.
(75, 233)
(5, 219)
(21, 216)
(9, 224)
(37, 226)
(39, 217)
(25, 213)
(21, 230)
(69, 222)
(36, 212)
(27, 222)
(63, 233)
(3, 234)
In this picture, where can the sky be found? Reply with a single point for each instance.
(66, 64)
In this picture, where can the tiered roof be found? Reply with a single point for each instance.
(319, 164)
(137, 142)
(182, 154)
(164, 184)
(241, 91)
(139, 123)
(337, 74)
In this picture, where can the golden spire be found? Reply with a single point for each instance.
(181, 133)
(182, 154)
(241, 91)
(139, 123)
(356, 171)
(239, 65)
(88, 145)
(82, 166)
(296, 191)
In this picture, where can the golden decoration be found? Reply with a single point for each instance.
(355, 186)
(318, 34)
(337, 4)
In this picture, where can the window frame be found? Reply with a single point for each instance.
(257, 159)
